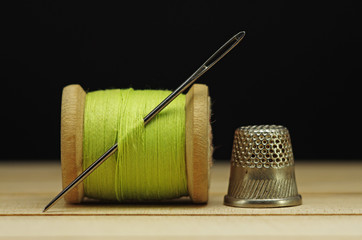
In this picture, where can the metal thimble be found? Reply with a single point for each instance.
(262, 168)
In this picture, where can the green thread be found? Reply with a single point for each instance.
(150, 161)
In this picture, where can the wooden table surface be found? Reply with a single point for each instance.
(332, 208)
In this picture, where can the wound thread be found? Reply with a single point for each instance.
(150, 161)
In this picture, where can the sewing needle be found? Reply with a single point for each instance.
(220, 53)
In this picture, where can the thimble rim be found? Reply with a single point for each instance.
(263, 203)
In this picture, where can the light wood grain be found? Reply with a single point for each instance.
(71, 139)
(332, 208)
(198, 142)
(274, 227)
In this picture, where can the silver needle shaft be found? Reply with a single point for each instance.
(220, 53)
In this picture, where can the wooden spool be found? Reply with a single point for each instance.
(198, 141)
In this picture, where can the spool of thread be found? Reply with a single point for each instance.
(197, 156)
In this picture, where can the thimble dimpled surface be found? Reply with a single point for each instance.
(262, 146)
(262, 168)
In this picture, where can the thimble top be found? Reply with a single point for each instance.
(262, 146)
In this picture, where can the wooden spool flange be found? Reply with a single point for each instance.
(198, 141)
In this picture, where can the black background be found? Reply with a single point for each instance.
(298, 66)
